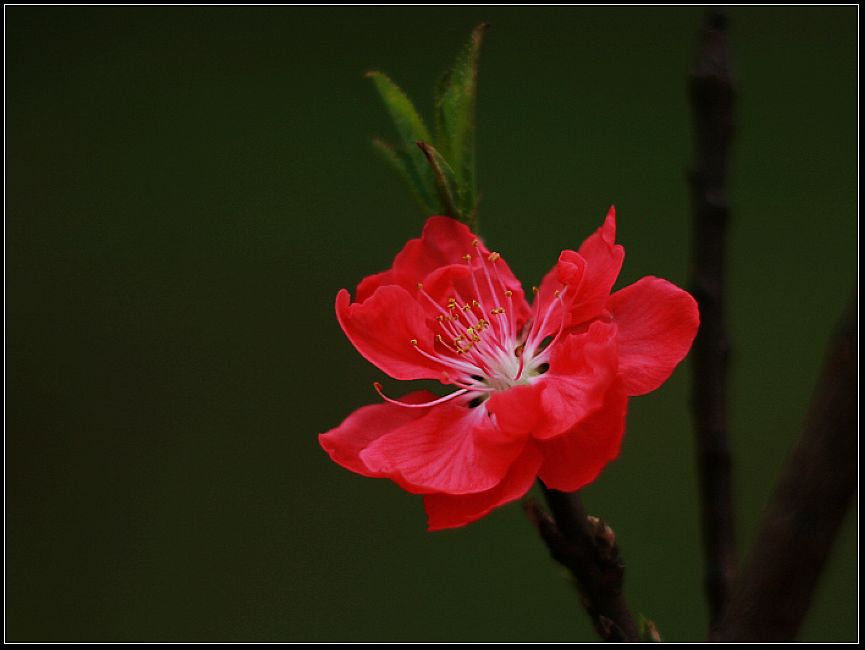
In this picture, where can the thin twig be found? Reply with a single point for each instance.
(587, 547)
(805, 513)
(712, 100)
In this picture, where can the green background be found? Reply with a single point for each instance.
(187, 189)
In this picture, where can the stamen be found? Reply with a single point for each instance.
(446, 398)
(441, 340)
(462, 366)
(512, 322)
(545, 354)
(539, 326)
(521, 353)
(438, 307)
(479, 343)
(536, 332)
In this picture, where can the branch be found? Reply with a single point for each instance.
(806, 511)
(712, 100)
(587, 547)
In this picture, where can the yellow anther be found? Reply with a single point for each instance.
(414, 341)
(420, 285)
(467, 257)
(494, 257)
(470, 331)
(535, 290)
(557, 293)
(439, 338)
(466, 307)
(475, 303)
(508, 293)
(476, 243)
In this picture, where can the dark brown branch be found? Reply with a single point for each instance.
(804, 514)
(587, 547)
(712, 100)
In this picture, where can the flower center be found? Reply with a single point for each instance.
(478, 340)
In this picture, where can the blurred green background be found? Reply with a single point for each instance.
(187, 189)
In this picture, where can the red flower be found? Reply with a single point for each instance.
(541, 390)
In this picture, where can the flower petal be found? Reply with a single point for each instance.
(567, 275)
(657, 323)
(443, 241)
(588, 274)
(370, 283)
(382, 328)
(368, 423)
(452, 449)
(450, 511)
(575, 459)
(582, 369)
(603, 262)
(517, 410)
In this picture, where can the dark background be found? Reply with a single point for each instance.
(187, 189)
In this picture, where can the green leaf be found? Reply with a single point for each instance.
(455, 101)
(400, 162)
(445, 181)
(410, 127)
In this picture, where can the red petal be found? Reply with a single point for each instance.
(577, 457)
(603, 262)
(566, 275)
(382, 328)
(571, 269)
(450, 511)
(446, 242)
(582, 369)
(451, 449)
(657, 323)
(568, 270)
(443, 241)
(368, 423)
(517, 410)
(588, 274)
(370, 283)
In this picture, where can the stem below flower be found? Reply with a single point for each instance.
(587, 547)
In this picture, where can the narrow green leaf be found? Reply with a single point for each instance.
(444, 178)
(410, 127)
(455, 101)
(400, 162)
